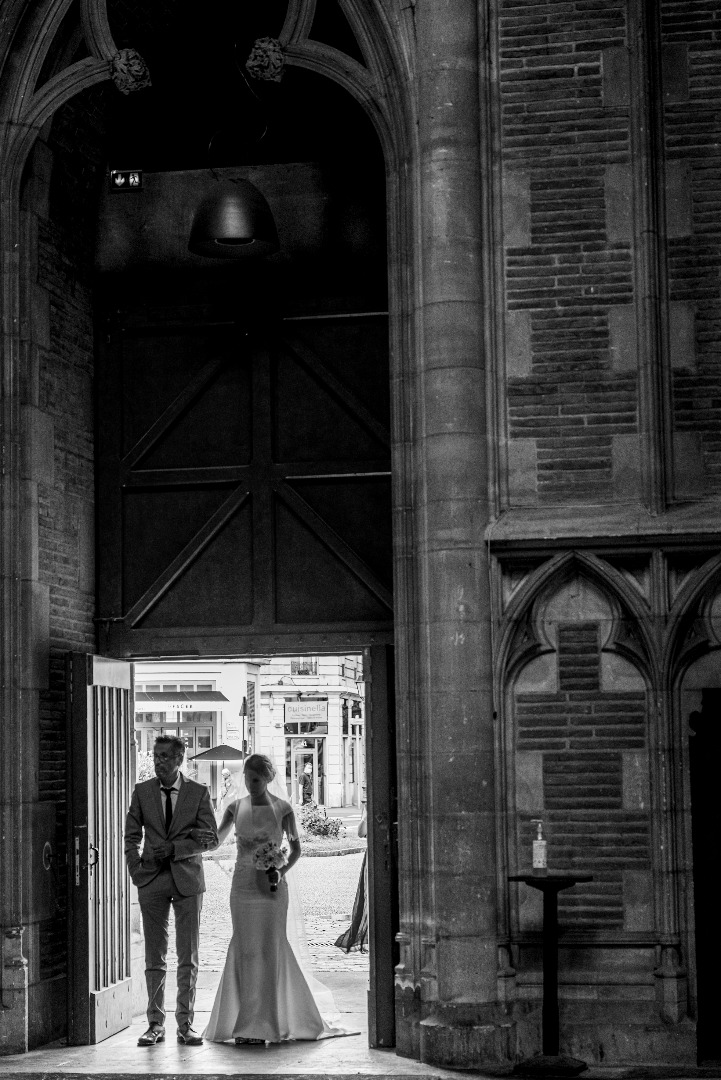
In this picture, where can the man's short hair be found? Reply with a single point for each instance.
(176, 745)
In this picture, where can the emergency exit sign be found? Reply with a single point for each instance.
(126, 180)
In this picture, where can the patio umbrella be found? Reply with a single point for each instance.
(223, 752)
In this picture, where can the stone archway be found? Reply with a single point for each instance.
(416, 65)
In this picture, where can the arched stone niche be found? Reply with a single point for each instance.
(578, 746)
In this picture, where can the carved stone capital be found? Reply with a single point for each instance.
(129, 71)
(267, 60)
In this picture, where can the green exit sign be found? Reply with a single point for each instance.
(126, 179)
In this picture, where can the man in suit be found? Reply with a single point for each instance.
(173, 818)
(306, 784)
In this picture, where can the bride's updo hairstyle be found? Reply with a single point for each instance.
(260, 764)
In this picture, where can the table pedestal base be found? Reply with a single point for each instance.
(547, 1066)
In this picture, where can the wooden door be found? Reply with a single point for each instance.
(244, 472)
(244, 509)
(100, 718)
(382, 844)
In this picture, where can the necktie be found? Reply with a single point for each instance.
(168, 807)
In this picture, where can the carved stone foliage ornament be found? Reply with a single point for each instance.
(266, 60)
(129, 71)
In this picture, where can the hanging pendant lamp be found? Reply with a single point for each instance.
(233, 222)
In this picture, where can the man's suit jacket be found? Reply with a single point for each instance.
(147, 815)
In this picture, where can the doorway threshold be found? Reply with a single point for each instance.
(120, 1058)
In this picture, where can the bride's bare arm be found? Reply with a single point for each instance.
(227, 822)
(293, 855)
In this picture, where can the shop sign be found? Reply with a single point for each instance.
(308, 711)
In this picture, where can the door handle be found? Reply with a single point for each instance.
(93, 858)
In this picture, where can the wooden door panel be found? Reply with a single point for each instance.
(155, 367)
(315, 582)
(355, 507)
(160, 524)
(245, 482)
(211, 430)
(201, 596)
(355, 351)
(313, 420)
(99, 742)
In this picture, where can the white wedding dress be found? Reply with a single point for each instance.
(263, 993)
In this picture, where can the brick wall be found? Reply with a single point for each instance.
(569, 220)
(65, 532)
(692, 68)
(568, 254)
(581, 732)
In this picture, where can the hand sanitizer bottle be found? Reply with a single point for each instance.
(540, 855)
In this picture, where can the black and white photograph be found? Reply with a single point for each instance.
(360, 538)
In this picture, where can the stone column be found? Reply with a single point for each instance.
(457, 871)
(17, 760)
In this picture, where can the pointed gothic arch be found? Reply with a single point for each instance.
(551, 768)
(690, 632)
(632, 610)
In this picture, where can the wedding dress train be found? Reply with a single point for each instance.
(263, 993)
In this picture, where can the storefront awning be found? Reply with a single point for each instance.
(158, 701)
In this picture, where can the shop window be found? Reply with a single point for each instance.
(295, 727)
(304, 666)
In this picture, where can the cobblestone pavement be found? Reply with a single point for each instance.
(327, 888)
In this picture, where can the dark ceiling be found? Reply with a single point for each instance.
(204, 110)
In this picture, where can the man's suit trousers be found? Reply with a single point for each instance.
(155, 900)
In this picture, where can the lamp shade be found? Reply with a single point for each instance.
(233, 222)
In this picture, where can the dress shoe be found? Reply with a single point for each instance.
(154, 1034)
(189, 1036)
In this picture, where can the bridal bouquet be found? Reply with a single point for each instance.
(269, 857)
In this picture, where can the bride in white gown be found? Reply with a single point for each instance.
(263, 995)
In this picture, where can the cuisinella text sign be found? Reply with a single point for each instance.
(313, 711)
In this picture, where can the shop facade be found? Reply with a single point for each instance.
(312, 714)
(205, 704)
